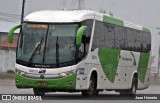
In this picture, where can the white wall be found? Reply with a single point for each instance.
(7, 59)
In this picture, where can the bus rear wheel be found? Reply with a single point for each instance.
(133, 89)
(92, 88)
(38, 91)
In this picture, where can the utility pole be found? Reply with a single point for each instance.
(79, 3)
(22, 15)
(158, 29)
(158, 64)
(64, 4)
(158, 58)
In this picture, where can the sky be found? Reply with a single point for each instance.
(142, 12)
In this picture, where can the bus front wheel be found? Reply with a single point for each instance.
(92, 88)
(38, 91)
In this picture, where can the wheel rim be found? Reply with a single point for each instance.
(133, 90)
(91, 88)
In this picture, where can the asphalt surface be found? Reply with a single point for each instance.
(8, 87)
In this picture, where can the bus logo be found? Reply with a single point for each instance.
(42, 71)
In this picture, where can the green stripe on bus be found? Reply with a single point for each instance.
(109, 62)
(112, 20)
(146, 29)
(65, 83)
(142, 66)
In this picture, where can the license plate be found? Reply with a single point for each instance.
(42, 83)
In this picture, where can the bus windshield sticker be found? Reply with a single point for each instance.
(37, 26)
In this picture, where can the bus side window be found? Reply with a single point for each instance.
(99, 36)
(109, 32)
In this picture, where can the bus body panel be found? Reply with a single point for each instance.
(63, 83)
(115, 67)
(55, 78)
(127, 67)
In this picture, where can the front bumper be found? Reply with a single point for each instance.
(64, 83)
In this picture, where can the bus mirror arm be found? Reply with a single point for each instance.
(79, 34)
(85, 39)
(11, 31)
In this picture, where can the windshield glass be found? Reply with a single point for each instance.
(47, 44)
(61, 42)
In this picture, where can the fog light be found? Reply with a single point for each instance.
(63, 74)
(20, 72)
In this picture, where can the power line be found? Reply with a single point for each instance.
(79, 3)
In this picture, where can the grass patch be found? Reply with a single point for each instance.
(7, 75)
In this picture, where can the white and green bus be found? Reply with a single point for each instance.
(81, 51)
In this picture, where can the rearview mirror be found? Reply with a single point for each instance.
(79, 35)
(11, 31)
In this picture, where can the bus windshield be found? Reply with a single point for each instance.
(48, 44)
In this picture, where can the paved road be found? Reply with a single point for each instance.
(8, 87)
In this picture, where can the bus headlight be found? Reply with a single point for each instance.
(63, 74)
(68, 73)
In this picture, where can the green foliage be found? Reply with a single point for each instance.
(11, 71)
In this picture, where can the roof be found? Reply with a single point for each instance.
(5, 26)
(60, 16)
(119, 22)
(49, 16)
(9, 45)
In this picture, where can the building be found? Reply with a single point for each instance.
(7, 50)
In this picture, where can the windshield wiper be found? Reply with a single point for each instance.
(57, 52)
(37, 47)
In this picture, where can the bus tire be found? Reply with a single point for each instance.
(133, 89)
(92, 88)
(96, 92)
(38, 92)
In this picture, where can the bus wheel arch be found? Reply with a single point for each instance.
(133, 86)
(95, 75)
(92, 87)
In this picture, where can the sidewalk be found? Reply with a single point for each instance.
(7, 82)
